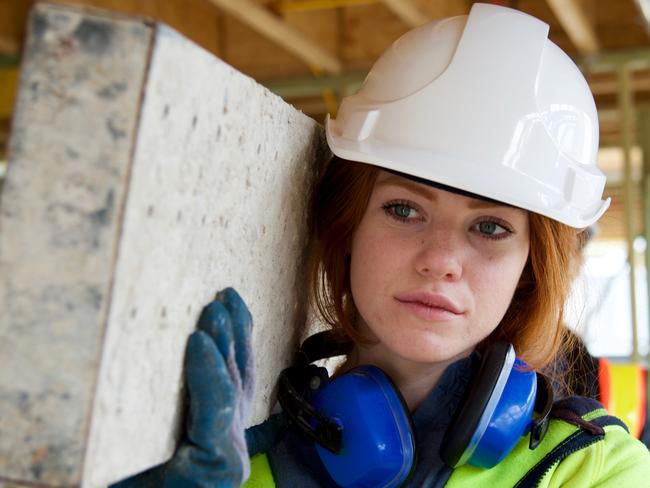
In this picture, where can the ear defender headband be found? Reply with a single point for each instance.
(362, 426)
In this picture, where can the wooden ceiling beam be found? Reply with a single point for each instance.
(634, 59)
(306, 5)
(611, 85)
(310, 86)
(274, 28)
(576, 24)
(408, 11)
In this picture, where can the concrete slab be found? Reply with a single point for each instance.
(144, 176)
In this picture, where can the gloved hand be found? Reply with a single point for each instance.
(220, 380)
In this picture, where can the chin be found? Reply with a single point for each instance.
(430, 352)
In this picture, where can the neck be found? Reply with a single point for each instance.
(414, 380)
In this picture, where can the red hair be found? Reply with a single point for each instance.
(533, 321)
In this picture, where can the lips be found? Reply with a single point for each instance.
(430, 300)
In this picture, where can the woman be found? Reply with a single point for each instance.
(443, 232)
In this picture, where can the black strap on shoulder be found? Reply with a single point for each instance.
(325, 344)
(302, 414)
(574, 408)
(544, 407)
(571, 410)
(295, 381)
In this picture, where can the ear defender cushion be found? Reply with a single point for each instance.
(378, 442)
(497, 411)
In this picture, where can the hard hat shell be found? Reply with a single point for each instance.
(484, 103)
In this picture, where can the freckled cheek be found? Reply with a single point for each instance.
(367, 269)
(381, 256)
(375, 270)
(495, 290)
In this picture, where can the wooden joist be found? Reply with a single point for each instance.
(610, 85)
(408, 11)
(577, 24)
(306, 5)
(274, 28)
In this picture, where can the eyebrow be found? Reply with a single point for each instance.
(477, 200)
(478, 203)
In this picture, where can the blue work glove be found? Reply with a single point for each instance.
(220, 378)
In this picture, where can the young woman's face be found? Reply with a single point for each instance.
(433, 272)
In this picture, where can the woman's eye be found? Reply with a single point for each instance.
(493, 230)
(400, 211)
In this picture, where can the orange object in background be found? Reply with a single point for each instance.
(622, 389)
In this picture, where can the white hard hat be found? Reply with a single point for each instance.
(484, 103)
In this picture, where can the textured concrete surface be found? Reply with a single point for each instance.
(70, 148)
(144, 176)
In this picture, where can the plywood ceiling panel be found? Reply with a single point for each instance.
(253, 54)
(620, 25)
(364, 40)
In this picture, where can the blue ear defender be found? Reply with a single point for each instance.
(378, 448)
(498, 410)
(362, 428)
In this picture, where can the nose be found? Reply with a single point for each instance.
(440, 257)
